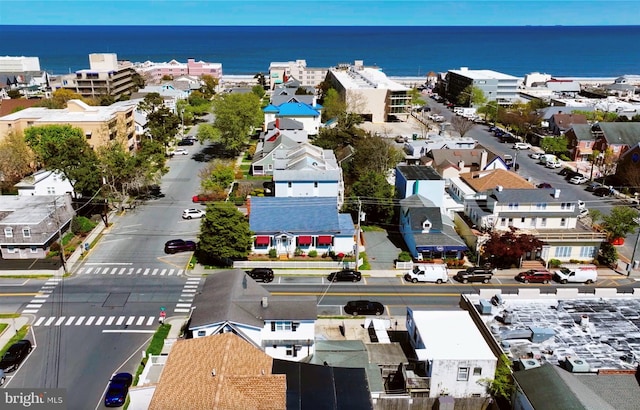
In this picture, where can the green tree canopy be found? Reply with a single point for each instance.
(237, 115)
(210, 84)
(151, 103)
(554, 145)
(162, 125)
(64, 148)
(217, 177)
(224, 233)
(471, 96)
(620, 222)
(376, 196)
(374, 154)
(16, 160)
(333, 105)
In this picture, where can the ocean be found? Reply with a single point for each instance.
(606, 51)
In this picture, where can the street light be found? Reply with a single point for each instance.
(635, 250)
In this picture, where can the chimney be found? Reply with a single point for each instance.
(265, 302)
(248, 202)
(499, 188)
(278, 123)
(556, 193)
(483, 159)
(461, 164)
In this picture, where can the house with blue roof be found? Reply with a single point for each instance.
(290, 223)
(308, 114)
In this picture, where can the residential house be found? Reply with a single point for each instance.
(272, 142)
(217, 372)
(309, 115)
(628, 166)
(100, 125)
(427, 232)
(231, 302)
(285, 124)
(451, 353)
(580, 141)
(281, 72)
(544, 213)
(285, 93)
(305, 223)
(30, 224)
(106, 76)
(560, 123)
(170, 95)
(307, 171)
(369, 92)
(481, 181)
(451, 163)
(416, 149)
(419, 180)
(615, 136)
(23, 74)
(44, 182)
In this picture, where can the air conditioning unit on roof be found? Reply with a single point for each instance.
(576, 365)
(526, 364)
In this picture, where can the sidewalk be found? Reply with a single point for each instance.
(12, 329)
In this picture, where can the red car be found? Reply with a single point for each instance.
(202, 198)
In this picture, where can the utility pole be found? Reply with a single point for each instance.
(358, 233)
(633, 255)
(57, 216)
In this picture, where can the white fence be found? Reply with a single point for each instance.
(296, 264)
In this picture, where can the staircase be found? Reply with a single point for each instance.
(526, 265)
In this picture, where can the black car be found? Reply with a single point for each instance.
(118, 390)
(179, 245)
(15, 355)
(602, 191)
(261, 274)
(185, 141)
(346, 275)
(363, 307)
(475, 274)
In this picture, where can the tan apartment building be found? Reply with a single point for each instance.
(99, 124)
(105, 76)
(281, 72)
(369, 92)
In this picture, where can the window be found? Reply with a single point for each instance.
(513, 206)
(463, 373)
(289, 184)
(11, 249)
(315, 184)
(566, 205)
(541, 206)
(533, 222)
(563, 252)
(510, 221)
(201, 333)
(503, 221)
(477, 371)
(34, 249)
(543, 222)
(290, 350)
(26, 232)
(588, 251)
(522, 220)
(8, 232)
(281, 325)
(51, 190)
(563, 222)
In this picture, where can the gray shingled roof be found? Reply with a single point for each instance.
(418, 172)
(530, 196)
(620, 132)
(231, 295)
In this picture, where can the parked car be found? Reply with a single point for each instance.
(181, 151)
(185, 141)
(363, 307)
(592, 186)
(202, 198)
(578, 179)
(193, 213)
(118, 390)
(571, 174)
(15, 355)
(581, 204)
(438, 273)
(3, 378)
(475, 274)
(521, 145)
(535, 276)
(345, 275)
(576, 274)
(179, 245)
(400, 139)
(536, 155)
(262, 274)
(553, 164)
(508, 138)
(544, 185)
(602, 191)
(583, 213)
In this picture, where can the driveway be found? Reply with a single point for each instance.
(382, 249)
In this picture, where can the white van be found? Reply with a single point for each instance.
(576, 274)
(428, 273)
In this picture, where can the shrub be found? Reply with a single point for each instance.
(81, 225)
(554, 263)
(273, 253)
(55, 247)
(67, 238)
(298, 252)
(404, 256)
(313, 253)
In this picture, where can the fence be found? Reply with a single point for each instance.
(331, 265)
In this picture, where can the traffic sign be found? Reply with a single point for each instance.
(162, 308)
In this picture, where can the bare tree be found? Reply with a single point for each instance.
(462, 125)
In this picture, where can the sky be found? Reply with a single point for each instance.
(321, 12)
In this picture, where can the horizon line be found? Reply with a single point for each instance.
(313, 25)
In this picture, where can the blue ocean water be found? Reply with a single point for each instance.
(606, 51)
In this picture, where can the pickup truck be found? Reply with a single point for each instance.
(475, 274)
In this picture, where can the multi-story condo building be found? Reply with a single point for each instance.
(369, 92)
(100, 124)
(105, 76)
(499, 87)
(154, 72)
(281, 72)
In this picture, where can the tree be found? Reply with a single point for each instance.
(224, 233)
(60, 97)
(64, 148)
(471, 96)
(216, 177)
(505, 249)
(376, 196)
(462, 125)
(138, 80)
(14, 94)
(152, 102)
(258, 90)
(502, 386)
(554, 145)
(333, 105)
(608, 255)
(303, 91)
(416, 97)
(210, 84)
(261, 80)
(620, 222)
(162, 125)
(16, 160)
(237, 115)
(374, 154)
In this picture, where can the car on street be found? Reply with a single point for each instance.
(118, 389)
(474, 274)
(544, 185)
(363, 307)
(261, 274)
(345, 275)
(15, 355)
(535, 276)
(521, 145)
(508, 138)
(581, 204)
(592, 186)
(552, 164)
(179, 245)
(3, 377)
(181, 151)
(578, 179)
(602, 191)
(202, 198)
(193, 213)
(536, 155)
(185, 141)
(400, 139)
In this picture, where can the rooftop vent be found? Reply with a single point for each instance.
(526, 364)
(576, 365)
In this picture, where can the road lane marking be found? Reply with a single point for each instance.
(150, 320)
(19, 294)
(140, 321)
(80, 320)
(60, 320)
(49, 321)
(89, 321)
(70, 320)
(30, 311)
(40, 320)
(127, 331)
(122, 271)
(183, 304)
(146, 271)
(120, 320)
(100, 320)
(155, 271)
(110, 321)
(113, 271)
(130, 321)
(108, 263)
(181, 310)
(34, 306)
(163, 272)
(138, 270)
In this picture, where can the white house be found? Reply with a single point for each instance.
(44, 182)
(281, 326)
(452, 352)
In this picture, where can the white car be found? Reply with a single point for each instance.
(583, 212)
(521, 145)
(192, 213)
(181, 151)
(536, 155)
(581, 204)
(578, 179)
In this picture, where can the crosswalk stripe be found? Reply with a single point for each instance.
(122, 271)
(41, 296)
(150, 320)
(40, 320)
(138, 270)
(181, 310)
(70, 320)
(60, 320)
(146, 271)
(183, 304)
(163, 272)
(110, 320)
(80, 320)
(193, 280)
(100, 320)
(34, 306)
(120, 320)
(130, 320)
(30, 311)
(51, 319)
(140, 321)
(89, 321)
(171, 272)
(113, 271)
(130, 271)
(89, 270)
(155, 271)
